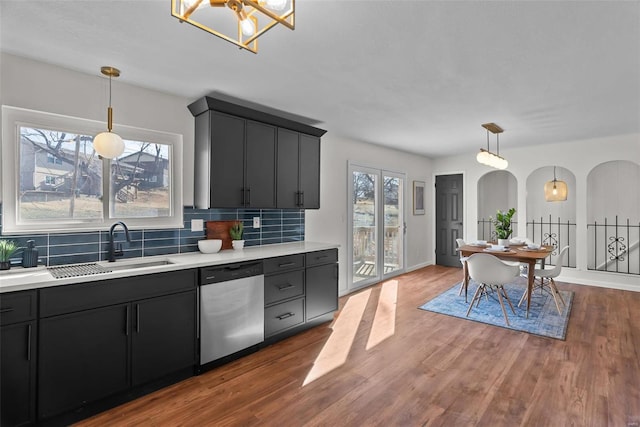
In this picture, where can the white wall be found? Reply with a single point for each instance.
(38, 86)
(329, 223)
(580, 157)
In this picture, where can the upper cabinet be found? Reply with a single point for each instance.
(298, 170)
(246, 158)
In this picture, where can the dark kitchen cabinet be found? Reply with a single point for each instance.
(83, 358)
(104, 338)
(301, 291)
(163, 336)
(18, 350)
(249, 158)
(298, 183)
(321, 283)
(235, 162)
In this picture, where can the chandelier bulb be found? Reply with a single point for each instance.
(248, 28)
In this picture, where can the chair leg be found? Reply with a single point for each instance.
(556, 294)
(504, 293)
(475, 295)
(524, 297)
(504, 311)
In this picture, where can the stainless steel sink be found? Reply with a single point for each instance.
(113, 266)
(76, 270)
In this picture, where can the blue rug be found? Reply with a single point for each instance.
(543, 318)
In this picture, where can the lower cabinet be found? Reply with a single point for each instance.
(17, 370)
(83, 358)
(97, 352)
(18, 351)
(322, 290)
(299, 289)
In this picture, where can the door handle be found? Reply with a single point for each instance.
(29, 342)
(126, 320)
(137, 318)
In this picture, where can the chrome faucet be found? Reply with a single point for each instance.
(112, 252)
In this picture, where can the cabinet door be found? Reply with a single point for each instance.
(287, 192)
(82, 357)
(227, 161)
(321, 290)
(17, 370)
(260, 165)
(309, 172)
(164, 336)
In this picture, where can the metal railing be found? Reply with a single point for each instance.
(554, 233)
(614, 247)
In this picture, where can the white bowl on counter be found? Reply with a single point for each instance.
(209, 246)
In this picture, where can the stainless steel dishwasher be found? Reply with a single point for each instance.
(231, 309)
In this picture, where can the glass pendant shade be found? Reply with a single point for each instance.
(108, 144)
(555, 191)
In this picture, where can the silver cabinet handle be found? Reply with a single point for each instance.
(285, 287)
(284, 316)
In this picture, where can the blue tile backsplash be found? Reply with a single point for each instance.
(278, 226)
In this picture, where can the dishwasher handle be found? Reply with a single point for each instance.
(226, 272)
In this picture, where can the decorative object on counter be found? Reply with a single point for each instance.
(236, 231)
(253, 18)
(109, 144)
(7, 249)
(219, 230)
(502, 224)
(556, 190)
(30, 255)
(486, 157)
(209, 246)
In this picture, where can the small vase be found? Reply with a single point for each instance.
(503, 242)
(5, 265)
(238, 244)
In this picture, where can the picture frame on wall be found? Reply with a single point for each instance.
(418, 197)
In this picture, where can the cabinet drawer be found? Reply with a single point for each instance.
(283, 316)
(84, 296)
(328, 256)
(283, 263)
(283, 286)
(17, 307)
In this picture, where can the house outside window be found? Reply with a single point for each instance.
(61, 183)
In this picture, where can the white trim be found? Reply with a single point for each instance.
(13, 118)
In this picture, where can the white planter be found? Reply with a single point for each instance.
(238, 244)
(503, 242)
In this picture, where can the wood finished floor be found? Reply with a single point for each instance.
(433, 370)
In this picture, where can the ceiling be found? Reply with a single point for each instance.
(420, 76)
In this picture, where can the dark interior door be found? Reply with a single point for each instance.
(449, 217)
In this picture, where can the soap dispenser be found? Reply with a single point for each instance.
(30, 255)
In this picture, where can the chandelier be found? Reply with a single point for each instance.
(486, 157)
(247, 21)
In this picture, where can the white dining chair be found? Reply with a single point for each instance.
(491, 274)
(546, 276)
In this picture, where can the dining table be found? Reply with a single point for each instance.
(520, 253)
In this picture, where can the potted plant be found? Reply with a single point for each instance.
(236, 231)
(502, 225)
(7, 248)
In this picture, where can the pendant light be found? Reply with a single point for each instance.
(486, 157)
(555, 191)
(108, 144)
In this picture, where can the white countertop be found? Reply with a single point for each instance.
(18, 278)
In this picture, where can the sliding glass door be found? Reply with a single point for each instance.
(376, 228)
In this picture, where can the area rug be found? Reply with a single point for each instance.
(543, 318)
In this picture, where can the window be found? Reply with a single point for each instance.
(54, 181)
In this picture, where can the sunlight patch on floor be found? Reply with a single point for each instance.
(336, 349)
(384, 323)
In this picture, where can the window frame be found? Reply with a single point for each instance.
(13, 118)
